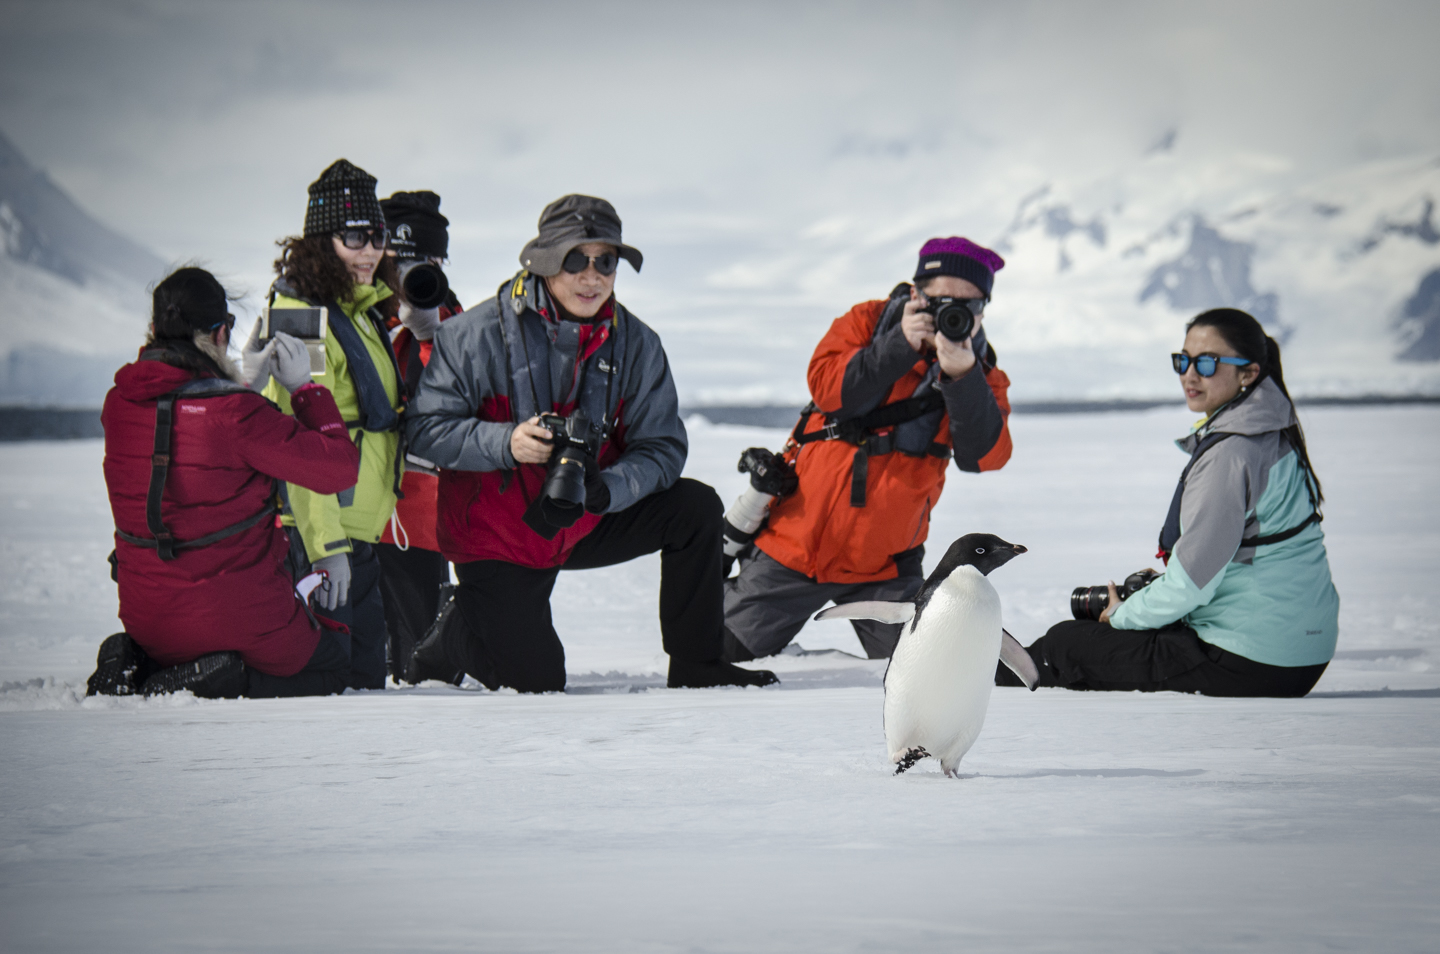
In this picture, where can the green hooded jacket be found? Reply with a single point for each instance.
(328, 522)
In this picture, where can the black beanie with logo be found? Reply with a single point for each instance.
(342, 198)
(417, 229)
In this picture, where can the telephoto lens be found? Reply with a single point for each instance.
(425, 285)
(1088, 602)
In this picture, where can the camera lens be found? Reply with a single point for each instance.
(425, 286)
(954, 320)
(1088, 602)
(565, 484)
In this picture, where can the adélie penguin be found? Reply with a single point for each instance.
(937, 686)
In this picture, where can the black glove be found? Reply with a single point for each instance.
(597, 495)
(769, 472)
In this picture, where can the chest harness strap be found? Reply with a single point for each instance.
(1170, 533)
(161, 539)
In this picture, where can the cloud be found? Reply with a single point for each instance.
(776, 162)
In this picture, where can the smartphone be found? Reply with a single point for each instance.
(310, 325)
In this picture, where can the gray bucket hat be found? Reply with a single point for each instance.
(569, 222)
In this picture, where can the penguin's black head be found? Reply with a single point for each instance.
(983, 551)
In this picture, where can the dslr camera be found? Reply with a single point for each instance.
(576, 443)
(1088, 602)
(955, 317)
(576, 447)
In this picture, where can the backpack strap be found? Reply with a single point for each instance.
(1170, 532)
(161, 539)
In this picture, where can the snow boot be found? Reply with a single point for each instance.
(687, 674)
(212, 676)
(120, 667)
(430, 660)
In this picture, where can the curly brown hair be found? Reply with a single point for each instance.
(312, 269)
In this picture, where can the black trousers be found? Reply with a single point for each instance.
(410, 583)
(363, 613)
(325, 674)
(508, 637)
(1083, 654)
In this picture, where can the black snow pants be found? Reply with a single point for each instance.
(325, 674)
(508, 638)
(363, 613)
(410, 582)
(1084, 654)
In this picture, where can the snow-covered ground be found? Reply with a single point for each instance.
(441, 819)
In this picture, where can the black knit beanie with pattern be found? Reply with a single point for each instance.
(342, 198)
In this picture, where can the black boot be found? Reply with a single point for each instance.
(732, 650)
(430, 659)
(212, 676)
(685, 674)
(120, 667)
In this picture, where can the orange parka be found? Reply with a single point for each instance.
(817, 530)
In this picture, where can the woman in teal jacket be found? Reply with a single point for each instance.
(1245, 606)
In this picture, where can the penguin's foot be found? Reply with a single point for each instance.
(910, 757)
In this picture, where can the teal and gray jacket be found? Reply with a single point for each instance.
(1273, 603)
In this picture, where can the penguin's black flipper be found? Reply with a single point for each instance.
(871, 609)
(1018, 661)
(910, 757)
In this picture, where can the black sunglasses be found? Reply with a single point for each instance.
(1205, 364)
(577, 261)
(229, 323)
(356, 238)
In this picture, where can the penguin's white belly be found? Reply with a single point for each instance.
(938, 686)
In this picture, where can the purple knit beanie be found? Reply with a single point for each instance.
(959, 257)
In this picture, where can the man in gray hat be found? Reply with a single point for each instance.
(553, 417)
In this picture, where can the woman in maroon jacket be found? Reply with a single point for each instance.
(192, 456)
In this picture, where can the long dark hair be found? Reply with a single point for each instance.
(186, 306)
(1248, 339)
(311, 267)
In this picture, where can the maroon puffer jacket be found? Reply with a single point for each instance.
(236, 593)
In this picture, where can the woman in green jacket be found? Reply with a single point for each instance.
(1245, 606)
(340, 264)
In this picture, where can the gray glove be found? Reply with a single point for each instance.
(335, 591)
(292, 362)
(255, 361)
(422, 322)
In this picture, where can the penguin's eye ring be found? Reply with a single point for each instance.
(979, 549)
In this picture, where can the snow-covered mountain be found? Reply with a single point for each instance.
(73, 300)
(1343, 271)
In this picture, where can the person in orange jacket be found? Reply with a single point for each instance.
(412, 569)
(900, 386)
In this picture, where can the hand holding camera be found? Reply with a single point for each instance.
(1098, 602)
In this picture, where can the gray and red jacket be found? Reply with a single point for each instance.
(503, 362)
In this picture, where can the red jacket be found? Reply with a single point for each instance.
(236, 593)
(415, 510)
(815, 530)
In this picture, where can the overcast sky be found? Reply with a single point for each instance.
(773, 160)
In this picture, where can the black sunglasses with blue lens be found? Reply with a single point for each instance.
(1205, 364)
(577, 261)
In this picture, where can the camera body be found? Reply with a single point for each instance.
(953, 316)
(575, 441)
(1088, 602)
